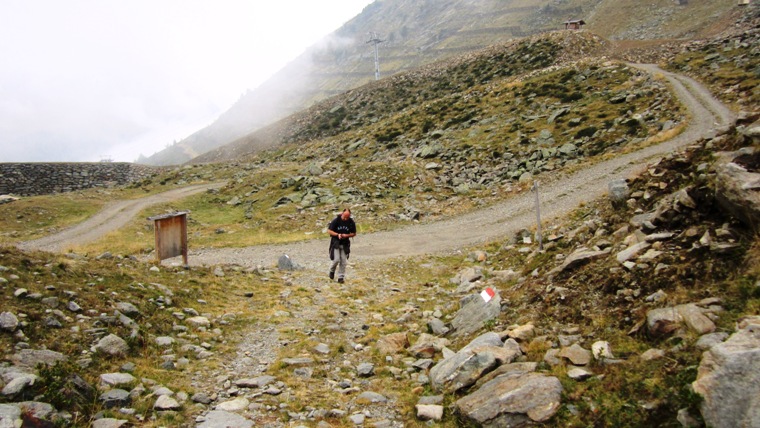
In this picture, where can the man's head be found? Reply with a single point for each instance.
(346, 214)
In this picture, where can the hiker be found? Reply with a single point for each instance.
(340, 229)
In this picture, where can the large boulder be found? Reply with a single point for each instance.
(462, 370)
(729, 379)
(10, 415)
(474, 314)
(737, 183)
(479, 357)
(512, 400)
(618, 192)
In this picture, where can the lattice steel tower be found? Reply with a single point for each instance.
(374, 40)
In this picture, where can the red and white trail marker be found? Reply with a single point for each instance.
(487, 294)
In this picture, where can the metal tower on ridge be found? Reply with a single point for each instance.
(375, 41)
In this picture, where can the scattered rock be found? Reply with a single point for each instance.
(618, 192)
(369, 397)
(429, 412)
(474, 314)
(128, 309)
(577, 373)
(8, 322)
(601, 350)
(166, 403)
(652, 354)
(109, 423)
(737, 188)
(221, 418)
(199, 322)
(576, 354)
(392, 344)
(112, 345)
(576, 259)
(18, 384)
(427, 346)
(115, 398)
(116, 380)
(729, 379)
(286, 263)
(466, 366)
(235, 405)
(10, 416)
(30, 358)
(512, 400)
(365, 370)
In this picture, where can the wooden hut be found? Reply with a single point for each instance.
(574, 24)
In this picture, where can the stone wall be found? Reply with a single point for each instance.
(28, 179)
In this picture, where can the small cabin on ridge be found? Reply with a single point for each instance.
(574, 24)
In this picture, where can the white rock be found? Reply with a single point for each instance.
(116, 379)
(165, 402)
(601, 350)
(8, 321)
(199, 321)
(577, 373)
(235, 405)
(18, 384)
(429, 412)
(652, 354)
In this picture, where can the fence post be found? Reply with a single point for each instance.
(538, 217)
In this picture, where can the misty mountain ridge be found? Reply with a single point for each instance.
(418, 33)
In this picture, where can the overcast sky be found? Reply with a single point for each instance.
(88, 80)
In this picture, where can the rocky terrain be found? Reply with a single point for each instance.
(639, 308)
(417, 34)
(641, 281)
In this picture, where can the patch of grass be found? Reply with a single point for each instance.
(97, 285)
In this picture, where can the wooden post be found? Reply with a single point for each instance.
(538, 217)
(171, 236)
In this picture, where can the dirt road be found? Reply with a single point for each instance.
(557, 197)
(112, 217)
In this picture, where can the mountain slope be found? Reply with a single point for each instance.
(418, 33)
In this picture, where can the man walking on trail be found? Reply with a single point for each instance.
(341, 229)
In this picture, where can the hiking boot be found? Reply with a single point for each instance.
(332, 274)
(340, 280)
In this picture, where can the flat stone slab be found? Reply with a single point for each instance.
(512, 400)
(31, 357)
(222, 419)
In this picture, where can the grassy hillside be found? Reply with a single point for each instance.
(419, 33)
(598, 301)
(428, 144)
(458, 135)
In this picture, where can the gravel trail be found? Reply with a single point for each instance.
(259, 345)
(112, 217)
(558, 196)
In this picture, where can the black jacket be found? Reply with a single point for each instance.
(343, 227)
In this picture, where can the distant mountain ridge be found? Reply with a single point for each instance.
(422, 32)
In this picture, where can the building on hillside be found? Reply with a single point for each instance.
(682, 2)
(744, 2)
(574, 24)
